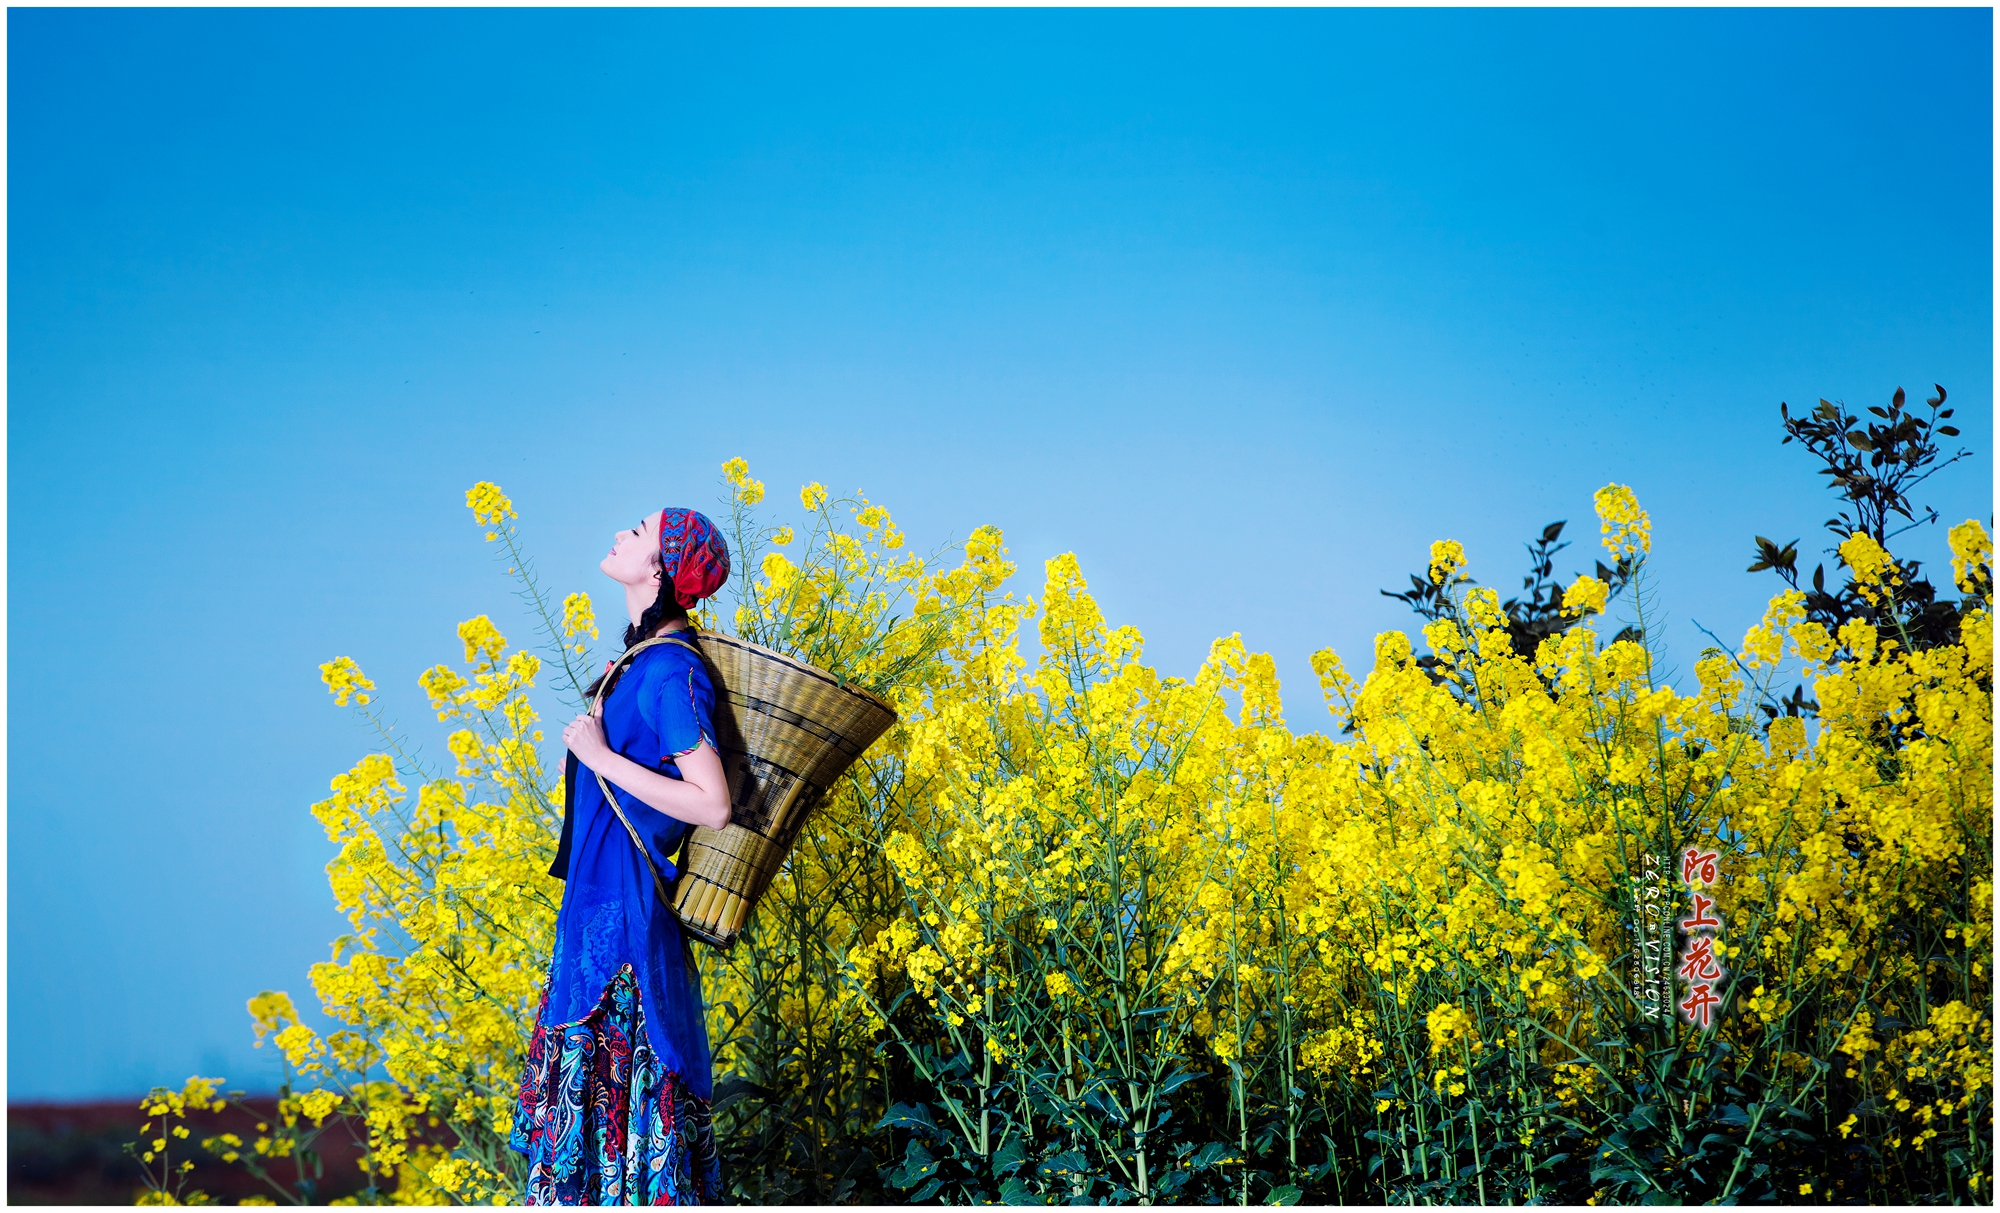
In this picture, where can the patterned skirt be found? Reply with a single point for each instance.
(602, 1123)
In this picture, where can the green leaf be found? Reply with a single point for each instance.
(1064, 1165)
(1211, 1154)
(1019, 1192)
(914, 1116)
(918, 1165)
(1287, 1194)
(1009, 1156)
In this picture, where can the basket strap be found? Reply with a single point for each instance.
(610, 797)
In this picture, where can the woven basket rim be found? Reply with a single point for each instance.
(802, 667)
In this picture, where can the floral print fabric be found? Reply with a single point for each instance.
(602, 1122)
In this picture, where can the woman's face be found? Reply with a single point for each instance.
(635, 554)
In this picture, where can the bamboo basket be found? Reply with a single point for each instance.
(785, 731)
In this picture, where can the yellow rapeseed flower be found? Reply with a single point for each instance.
(271, 1011)
(1860, 1038)
(1764, 644)
(1448, 1025)
(344, 678)
(1391, 649)
(318, 1105)
(1447, 557)
(1585, 596)
(1627, 529)
(743, 490)
(483, 642)
(1482, 606)
(488, 504)
(1875, 574)
(579, 617)
(1971, 553)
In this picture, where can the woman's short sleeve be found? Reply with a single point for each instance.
(683, 713)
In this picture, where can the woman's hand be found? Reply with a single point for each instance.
(585, 738)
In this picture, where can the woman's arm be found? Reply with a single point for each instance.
(699, 797)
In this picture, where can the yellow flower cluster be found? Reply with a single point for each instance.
(166, 1185)
(1447, 557)
(489, 506)
(1875, 574)
(1585, 596)
(744, 490)
(344, 679)
(1071, 882)
(579, 620)
(1349, 1046)
(1971, 551)
(1449, 1024)
(1627, 529)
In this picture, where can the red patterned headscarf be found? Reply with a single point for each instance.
(693, 556)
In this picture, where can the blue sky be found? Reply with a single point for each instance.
(1244, 308)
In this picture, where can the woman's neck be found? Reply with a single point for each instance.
(638, 602)
(638, 598)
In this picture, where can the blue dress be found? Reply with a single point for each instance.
(614, 1097)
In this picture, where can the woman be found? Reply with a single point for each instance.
(614, 1100)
